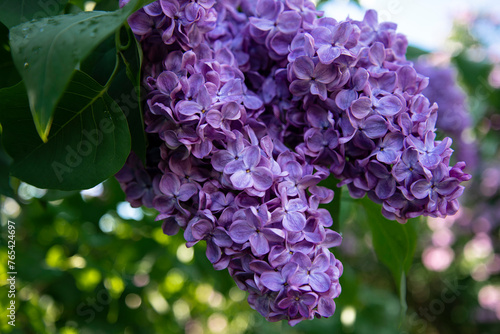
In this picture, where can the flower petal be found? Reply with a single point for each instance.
(262, 178)
(289, 22)
(259, 244)
(294, 221)
(240, 232)
(361, 107)
(303, 68)
(421, 188)
(272, 280)
(241, 180)
(319, 282)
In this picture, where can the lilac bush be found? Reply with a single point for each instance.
(250, 105)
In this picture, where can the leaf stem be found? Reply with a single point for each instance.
(113, 74)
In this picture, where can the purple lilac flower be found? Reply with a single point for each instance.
(453, 117)
(250, 105)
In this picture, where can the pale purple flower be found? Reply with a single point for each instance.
(233, 153)
(291, 214)
(430, 152)
(279, 280)
(249, 105)
(385, 182)
(251, 228)
(204, 229)
(246, 173)
(330, 44)
(390, 148)
(409, 168)
(439, 184)
(311, 273)
(297, 302)
(311, 78)
(173, 193)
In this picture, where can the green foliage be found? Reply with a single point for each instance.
(14, 12)
(412, 52)
(5, 162)
(125, 88)
(394, 244)
(89, 142)
(9, 75)
(47, 51)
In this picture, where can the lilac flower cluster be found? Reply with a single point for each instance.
(250, 105)
(453, 116)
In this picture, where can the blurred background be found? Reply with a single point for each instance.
(89, 263)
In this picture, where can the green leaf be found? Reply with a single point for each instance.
(101, 62)
(126, 91)
(125, 87)
(106, 5)
(14, 12)
(9, 76)
(47, 51)
(413, 52)
(89, 141)
(394, 244)
(5, 162)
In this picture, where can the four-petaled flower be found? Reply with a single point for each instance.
(311, 78)
(312, 273)
(246, 173)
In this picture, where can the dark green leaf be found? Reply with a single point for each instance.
(5, 162)
(54, 195)
(14, 12)
(101, 62)
(72, 9)
(46, 52)
(125, 87)
(9, 76)
(394, 244)
(78, 3)
(125, 90)
(106, 5)
(89, 141)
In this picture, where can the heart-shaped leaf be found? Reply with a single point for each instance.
(47, 51)
(89, 142)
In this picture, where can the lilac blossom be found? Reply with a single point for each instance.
(249, 105)
(297, 302)
(311, 273)
(246, 173)
(310, 78)
(249, 227)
